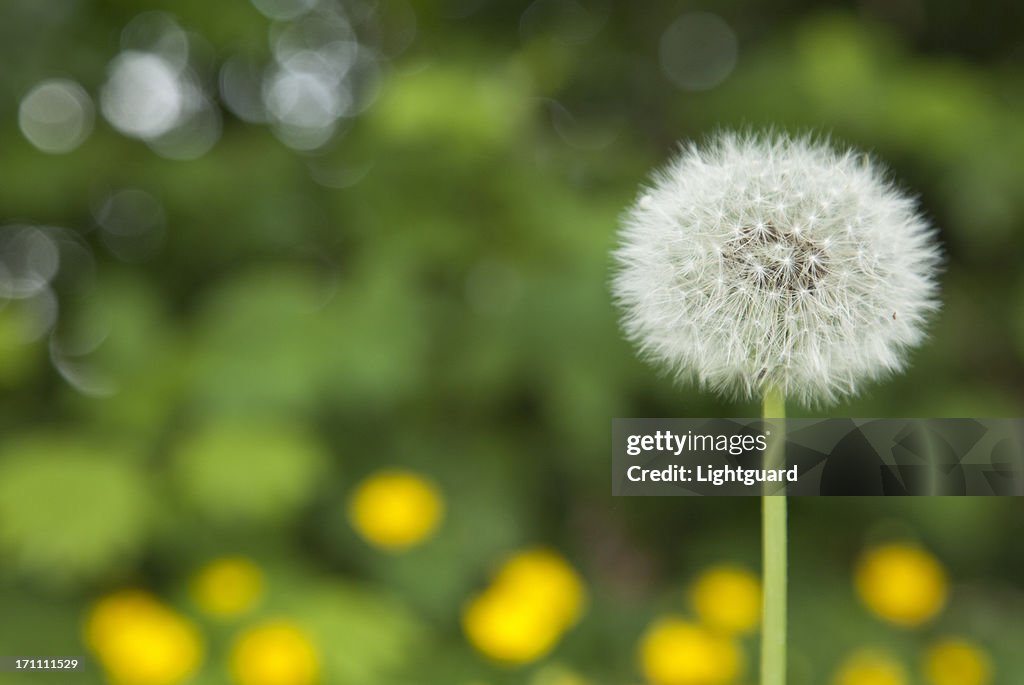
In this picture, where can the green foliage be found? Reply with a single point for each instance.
(18, 360)
(248, 469)
(71, 508)
(378, 632)
(460, 105)
(256, 343)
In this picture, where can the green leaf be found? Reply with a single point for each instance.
(70, 509)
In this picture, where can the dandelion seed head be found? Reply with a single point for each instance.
(765, 261)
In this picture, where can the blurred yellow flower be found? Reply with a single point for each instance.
(866, 667)
(674, 651)
(956, 661)
(274, 653)
(534, 598)
(141, 641)
(395, 509)
(505, 629)
(901, 583)
(543, 579)
(728, 598)
(228, 586)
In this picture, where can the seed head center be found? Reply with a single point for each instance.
(764, 257)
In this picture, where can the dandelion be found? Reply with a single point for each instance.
(141, 641)
(762, 264)
(275, 653)
(954, 661)
(869, 667)
(228, 587)
(768, 266)
(395, 509)
(674, 651)
(901, 583)
(533, 599)
(727, 598)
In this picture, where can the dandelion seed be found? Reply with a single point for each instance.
(781, 258)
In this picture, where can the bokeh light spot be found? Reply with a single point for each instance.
(56, 116)
(698, 51)
(284, 9)
(29, 261)
(132, 224)
(143, 96)
(158, 33)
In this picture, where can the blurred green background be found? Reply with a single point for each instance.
(252, 253)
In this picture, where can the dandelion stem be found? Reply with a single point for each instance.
(773, 550)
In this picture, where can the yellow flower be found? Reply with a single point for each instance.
(674, 651)
(728, 598)
(274, 653)
(501, 627)
(866, 667)
(543, 579)
(902, 584)
(141, 641)
(228, 587)
(957, 662)
(396, 509)
(534, 598)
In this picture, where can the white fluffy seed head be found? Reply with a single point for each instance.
(764, 261)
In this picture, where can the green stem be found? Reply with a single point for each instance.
(773, 550)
